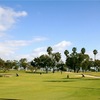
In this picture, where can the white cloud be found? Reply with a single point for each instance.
(19, 43)
(6, 52)
(20, 13)
(35, 53)
(39, 51)
(16, 43)
(8, 17)
(61, 46)
(9, 47)
(39, 39)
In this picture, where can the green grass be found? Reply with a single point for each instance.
(29, 86)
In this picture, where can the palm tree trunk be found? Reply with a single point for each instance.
(94, 57)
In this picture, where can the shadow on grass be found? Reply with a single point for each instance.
(8, 99)
(59, 81)
(36, 72)
(63, 80)
(71, 80)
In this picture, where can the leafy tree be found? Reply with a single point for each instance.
(45, 62)
(57, 56)
(15, 64)
(57, 60)
(91, 64)
(83, 58)
(97, 64)
(85, 65)
(33, 66)
(8, 65)
(36, 62)
(52, 57)
(60, 66)
(76, 60)
(23, 63)
(2, 64)
(71, 62)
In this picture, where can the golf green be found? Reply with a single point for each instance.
(51, 86)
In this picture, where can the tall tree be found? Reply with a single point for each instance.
(74, 58)
(45, 62)
(95, 53)
(49, 50)
(74, 49)
(57, 56)
(66, 52)
(83, 51)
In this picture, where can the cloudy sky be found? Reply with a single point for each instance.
(28, 27)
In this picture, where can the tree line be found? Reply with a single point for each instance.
(74, 62)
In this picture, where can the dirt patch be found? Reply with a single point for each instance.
(6, 75)
(90, 76)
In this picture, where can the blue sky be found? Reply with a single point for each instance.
(28, 27)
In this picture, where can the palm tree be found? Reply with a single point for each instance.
(83, 51)
(49, 50)
(57, 56)
(74, 49)
(66, 52)
(95, 52)
(74, 58)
